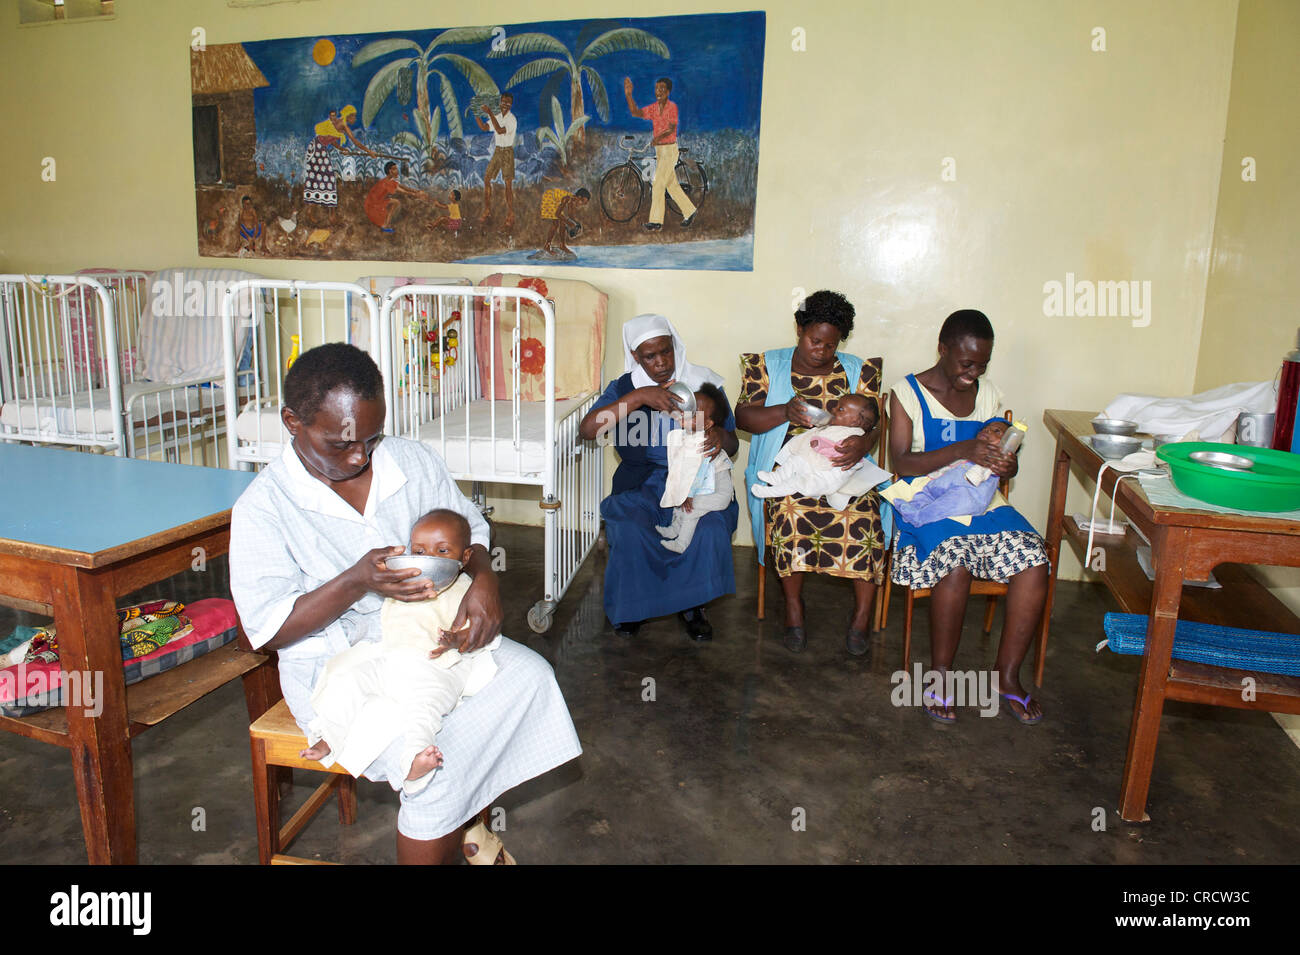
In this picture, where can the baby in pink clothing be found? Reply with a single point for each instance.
(804, 465)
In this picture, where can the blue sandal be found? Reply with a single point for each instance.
(932, 697)
(1023, 701)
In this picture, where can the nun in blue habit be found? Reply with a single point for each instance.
(642, 578)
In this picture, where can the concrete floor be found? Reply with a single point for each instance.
(740, 737)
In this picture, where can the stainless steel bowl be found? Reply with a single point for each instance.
(684, 394)
(1222, 459)
(1160, 440)
(1114, 426)
(442, 571)
(1112, 446)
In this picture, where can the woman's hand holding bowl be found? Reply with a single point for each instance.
(653, 396)
(372, 573)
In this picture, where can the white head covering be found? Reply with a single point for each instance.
(645, 327)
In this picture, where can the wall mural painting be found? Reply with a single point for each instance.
(628, 143)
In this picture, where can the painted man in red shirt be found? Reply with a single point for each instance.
(662, 114)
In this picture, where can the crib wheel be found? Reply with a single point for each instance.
(540, 617)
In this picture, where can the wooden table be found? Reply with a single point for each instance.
(1185, 545)
(78, 531)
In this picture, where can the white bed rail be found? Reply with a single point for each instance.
(454, 408)
(60, 372)
(322, 308)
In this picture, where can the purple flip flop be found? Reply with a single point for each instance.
(932, 697)
(1023, 701)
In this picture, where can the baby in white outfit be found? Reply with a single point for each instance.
(372, 693)
(804, 465)
(697, 484)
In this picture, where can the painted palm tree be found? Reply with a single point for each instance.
(415, 71)
(601, 37)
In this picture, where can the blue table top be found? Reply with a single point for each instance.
(93, 502)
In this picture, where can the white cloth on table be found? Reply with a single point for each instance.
(1213, 413)
(804, 470)
(290, 534)
(374, 693)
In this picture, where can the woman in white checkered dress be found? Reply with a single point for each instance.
(307, 543)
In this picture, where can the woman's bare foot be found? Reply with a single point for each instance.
(426, 761)
(316, 752)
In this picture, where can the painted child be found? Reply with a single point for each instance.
(405, 684)
(452, 220)
(696, 484)
(804, 465)
(250, 227)
(559, 206)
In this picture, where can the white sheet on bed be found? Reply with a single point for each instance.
(67, 415)
(273, 434)
(479, 457)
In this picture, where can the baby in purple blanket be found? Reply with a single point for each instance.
(951, 492)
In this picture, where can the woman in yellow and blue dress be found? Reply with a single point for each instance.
(803, 534)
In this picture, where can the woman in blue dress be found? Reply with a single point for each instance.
(642, 578)
(934, 417)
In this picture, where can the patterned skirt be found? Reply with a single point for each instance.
(320, 184)
(997, 557)
(806, 535)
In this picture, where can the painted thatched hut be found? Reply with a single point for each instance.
(222, 80)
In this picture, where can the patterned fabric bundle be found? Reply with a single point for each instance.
(143, 627)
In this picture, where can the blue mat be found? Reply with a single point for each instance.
(1206, 643)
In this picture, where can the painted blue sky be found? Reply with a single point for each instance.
(716, 66)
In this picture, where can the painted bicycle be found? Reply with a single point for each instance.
(626, 186)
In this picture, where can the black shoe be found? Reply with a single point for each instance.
(697, 627)
(855, 641)
(795, 639)
(652, 226)
(689, 220)
(628, 629)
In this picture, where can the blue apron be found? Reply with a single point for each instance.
(939, 433)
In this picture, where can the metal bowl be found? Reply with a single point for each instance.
(1111, 446)
(1160, 440)
(1222, 459)
(683, 393)
(1114, 426)
(441, 571)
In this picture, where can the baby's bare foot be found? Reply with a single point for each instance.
(426, 761)
(316, 752)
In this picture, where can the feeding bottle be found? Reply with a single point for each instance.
(1014, 436)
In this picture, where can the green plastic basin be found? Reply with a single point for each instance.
(1273, 484)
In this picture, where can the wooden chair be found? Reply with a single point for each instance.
(276, 741)
(878, 613)
(989, 589)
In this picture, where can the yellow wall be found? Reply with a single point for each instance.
(1103, 164)
(1250, 314)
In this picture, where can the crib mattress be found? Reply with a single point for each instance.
(273, 433)
(73, 415)
(481, 458)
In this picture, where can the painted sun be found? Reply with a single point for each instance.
(323, 52)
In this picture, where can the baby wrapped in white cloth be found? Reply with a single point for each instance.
(405, 684)
(803, 466)
(696, 483)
